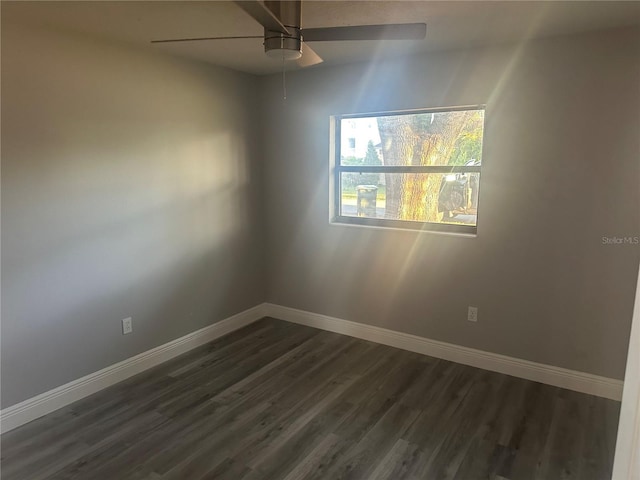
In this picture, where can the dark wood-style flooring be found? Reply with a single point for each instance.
(282, 401)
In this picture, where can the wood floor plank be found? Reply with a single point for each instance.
(301, 444)
(392, 464)
(566, 443)
(278, 401)
(471, 424)
(486, 456)
(304, 468)
(533, 433)
(360, 460)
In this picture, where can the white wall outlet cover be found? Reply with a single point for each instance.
(472, 314)
(127, 326)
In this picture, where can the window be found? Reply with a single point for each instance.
(419, 170)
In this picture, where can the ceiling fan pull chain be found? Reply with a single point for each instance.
(284, 81)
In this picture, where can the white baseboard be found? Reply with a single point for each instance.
(538, 372)
(35, 407)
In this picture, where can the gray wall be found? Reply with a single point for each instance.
(129, 188)
(132, 185)
(561, 170)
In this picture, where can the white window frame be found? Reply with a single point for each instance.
(337, 169)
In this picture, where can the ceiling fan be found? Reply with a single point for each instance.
(285, 39)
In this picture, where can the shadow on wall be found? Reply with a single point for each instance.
(167, 249)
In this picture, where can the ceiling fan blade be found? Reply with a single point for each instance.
(309, 57)
(203, 38)
(397, 31)
(261, 14)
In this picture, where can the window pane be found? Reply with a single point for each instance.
(428, 138)
(418, 197)
(360, 143)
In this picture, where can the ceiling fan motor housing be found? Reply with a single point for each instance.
(277, 44)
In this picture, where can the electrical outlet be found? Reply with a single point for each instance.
(127, 326)
(472, 314)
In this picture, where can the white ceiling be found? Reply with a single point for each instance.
(450, 25)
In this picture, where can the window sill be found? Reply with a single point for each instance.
(337, 223)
